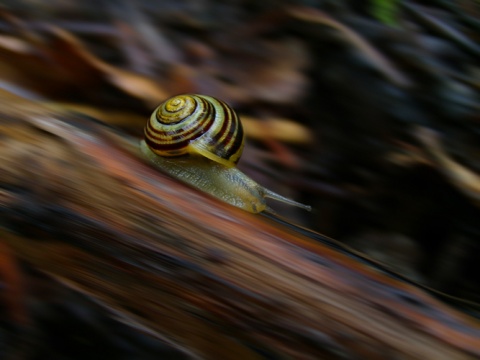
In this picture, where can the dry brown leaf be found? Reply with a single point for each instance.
(13, 44)
(463, 178)
(378, 59)
(136, 85)
(62, 66)
(279, 79)
(281, 129)
(127, 120)
(272, 73)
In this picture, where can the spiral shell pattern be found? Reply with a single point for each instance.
(196, 124)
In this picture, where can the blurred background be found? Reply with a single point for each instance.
(366, 110)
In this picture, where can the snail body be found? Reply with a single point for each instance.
(199, 139)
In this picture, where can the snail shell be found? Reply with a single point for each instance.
(199, 139)
(196, 124)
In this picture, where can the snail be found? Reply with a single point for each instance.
(199, 139)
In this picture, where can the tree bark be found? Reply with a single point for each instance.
(210, 279)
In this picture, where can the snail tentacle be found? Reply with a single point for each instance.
(273, 195)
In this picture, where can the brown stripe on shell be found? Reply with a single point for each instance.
(192, 127)
(167, 148)
(161, 147)
(190, 132)
(237, 146)
(234, 140)
(167, 142)
(159, 118)
(232, 143)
